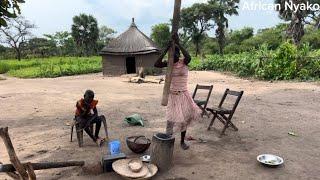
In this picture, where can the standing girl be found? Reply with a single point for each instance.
(181, 109)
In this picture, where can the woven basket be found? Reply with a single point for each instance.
(138, 144)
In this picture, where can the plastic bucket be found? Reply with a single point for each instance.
(115, 147)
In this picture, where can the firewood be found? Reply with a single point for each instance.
(30, 170)
(13, 175)
(41, 166)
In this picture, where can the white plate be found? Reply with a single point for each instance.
(270, 159)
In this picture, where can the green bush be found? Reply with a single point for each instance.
(283, 66)
(4, 67)
(242, 64)
(286, 63)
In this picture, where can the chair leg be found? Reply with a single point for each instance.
(223, 130)
(71, 132)
(233, 126)
(204, 112)
(79, 135)
(226, 125)
(104, 121)
(91, 129)
(207, 114)
(230, 123)
(212, 121)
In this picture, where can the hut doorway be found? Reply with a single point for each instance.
(131, 65)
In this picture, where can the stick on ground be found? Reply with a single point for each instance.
(44, 165)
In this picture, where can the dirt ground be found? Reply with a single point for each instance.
(37, 112)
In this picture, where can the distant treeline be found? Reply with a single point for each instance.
(86, 38)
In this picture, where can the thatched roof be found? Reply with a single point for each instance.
(131, 42)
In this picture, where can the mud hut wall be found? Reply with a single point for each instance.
(113, 65)
(146, 61)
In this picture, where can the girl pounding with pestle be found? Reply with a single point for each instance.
(181, 109)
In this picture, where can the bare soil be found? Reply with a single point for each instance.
(37, 112)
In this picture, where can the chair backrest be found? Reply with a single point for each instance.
(238, 94)
(203, 87)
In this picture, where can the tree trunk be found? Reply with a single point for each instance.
(18, 51)
(296, 29)
(175, 27)
(197, 49)
(221, 37)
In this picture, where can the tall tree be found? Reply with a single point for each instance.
(161, 34)
(40, 47)
(238, 36)
(16, 34)
(196, 21)
(106, 34)
(9, 9)
(85, 32)
(64, 42)
(296, 28)
(299, 17)
(221, 9)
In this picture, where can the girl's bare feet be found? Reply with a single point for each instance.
(99, 141)
(184, 146)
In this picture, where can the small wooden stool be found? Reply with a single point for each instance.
(79, 132)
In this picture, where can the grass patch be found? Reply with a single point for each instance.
(51, 67)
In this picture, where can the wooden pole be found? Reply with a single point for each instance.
(175, 28)
(12, 154)
(40, 166)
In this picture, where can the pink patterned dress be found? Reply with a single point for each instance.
(181, 109)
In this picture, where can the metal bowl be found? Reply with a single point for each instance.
(146, 158)
(270, 159)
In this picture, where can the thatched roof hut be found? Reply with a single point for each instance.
(129, 52)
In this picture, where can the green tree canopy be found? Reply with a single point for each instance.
(9, 9)
(161, 34)
(106, 34)
(85, 32)
(222, 9)
(64, 42)
(40, 47)
(196, 21)
(238, 36)
(16, 34)
(273, 37)
(312, 37)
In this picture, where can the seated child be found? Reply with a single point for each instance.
(86, 114)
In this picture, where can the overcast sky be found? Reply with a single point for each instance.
(56, 15)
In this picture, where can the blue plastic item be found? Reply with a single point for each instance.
(115, 147)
